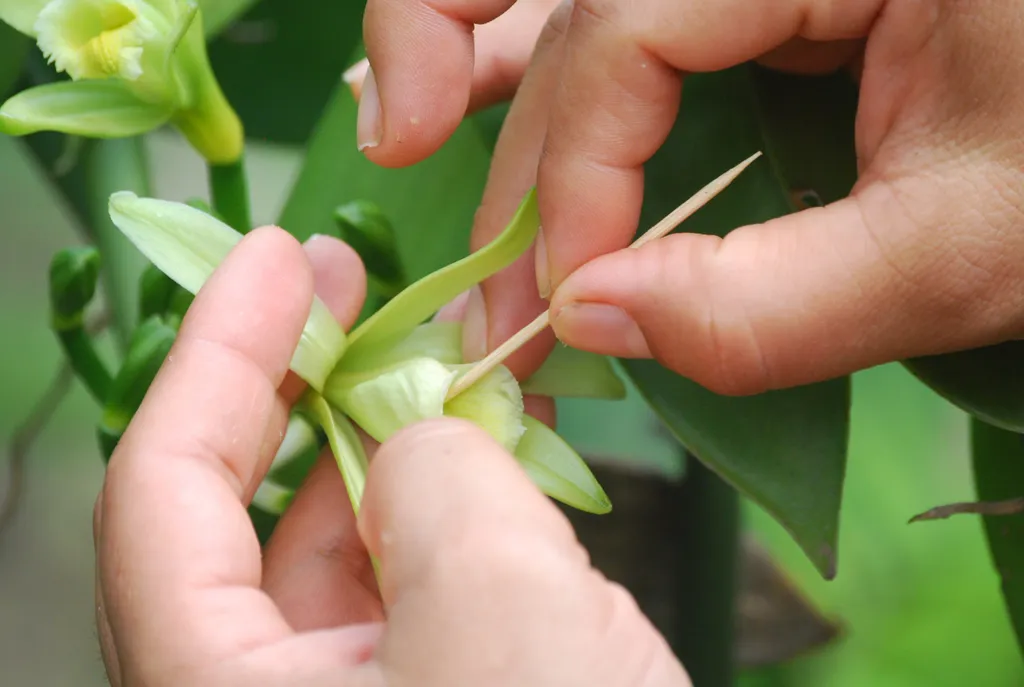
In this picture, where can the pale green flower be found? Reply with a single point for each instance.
(134, 65)
(395, 369)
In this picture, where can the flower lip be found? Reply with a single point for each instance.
(96, 39)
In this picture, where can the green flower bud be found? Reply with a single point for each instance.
(147, 351)
(364, 227)
(74, 273)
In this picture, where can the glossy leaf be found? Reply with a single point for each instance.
(98, 109)
(785, 449)
(219, 14)
(999, 475)
(558, 470)
(419, 301)
(571, 373)
(13, 48)
(986, 382)
(430, 205)
(295, 50)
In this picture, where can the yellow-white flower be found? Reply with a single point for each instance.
(135, 65)
(394, 369)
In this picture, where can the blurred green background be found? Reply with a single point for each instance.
(920, 604)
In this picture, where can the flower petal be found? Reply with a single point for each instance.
(558, 470)
(346, 446)
(96, 109)
(187, 245)
(572, 373)
(421, 300)
(21, 14)
(441, 341)
(495, 404)
(384, 401)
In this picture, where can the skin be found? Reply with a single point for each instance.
(483, 581)
(922, 258)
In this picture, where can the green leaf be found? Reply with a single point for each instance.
(188, 245)
(785, 449)
(98, 109)
(430, 205)
(558, 470)
(986, 382)
(346, 446)
(219, 14)
(13, 48)
(571, 373)
(293, 49)
(424, 298)
(999, 475)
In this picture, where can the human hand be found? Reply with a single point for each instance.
(483, 580)
(922, 258)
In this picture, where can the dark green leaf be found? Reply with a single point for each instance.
(430, 205)
(13, 48)
(999, 475)
(785, 449)
(986, 382)
(280, 62)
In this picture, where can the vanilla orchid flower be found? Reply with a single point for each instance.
(395, 368)
(134, 66)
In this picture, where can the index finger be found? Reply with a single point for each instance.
(179, 562)
(421, 71)
(619, 95)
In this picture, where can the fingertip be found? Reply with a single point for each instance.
(541, 408)
(339, 277)
(417, 86)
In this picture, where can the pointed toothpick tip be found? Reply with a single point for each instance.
(666, 225)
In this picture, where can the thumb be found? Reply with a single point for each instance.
(478, 567)
(814, 295)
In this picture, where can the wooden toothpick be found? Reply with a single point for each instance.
(670, 222)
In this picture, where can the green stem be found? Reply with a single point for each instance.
(116, 165)
(229, 193)
(86, 362)
(708, 548)
(85, 173)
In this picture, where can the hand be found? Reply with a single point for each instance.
(483, 580)
(923, 258)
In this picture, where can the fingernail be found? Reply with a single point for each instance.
(355, 76)
(540, 257)
(369, 128)
(454, 311)
(601, 328)
(474, 327)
